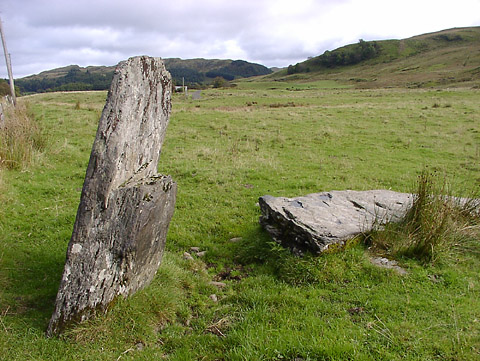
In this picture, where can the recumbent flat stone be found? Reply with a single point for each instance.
(317, 221)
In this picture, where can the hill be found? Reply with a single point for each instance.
(195, 72)
(72, 77)
(444, 58)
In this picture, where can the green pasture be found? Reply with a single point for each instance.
(225, 150)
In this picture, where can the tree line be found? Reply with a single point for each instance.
(348, 55)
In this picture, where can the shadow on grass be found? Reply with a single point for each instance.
(255, 247)
(32, 277)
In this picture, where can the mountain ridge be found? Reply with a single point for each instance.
(194, 72)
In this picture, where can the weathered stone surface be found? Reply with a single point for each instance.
(125, 208)
(317, 221)
(389, 264)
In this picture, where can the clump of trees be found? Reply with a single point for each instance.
(348, 55)
(218, 82)
(297, 68)
(5, 88)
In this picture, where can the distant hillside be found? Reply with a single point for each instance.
(201, 71)
(195, 72)
(448, 57)
(71, 77)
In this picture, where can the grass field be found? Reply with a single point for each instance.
(225, 150)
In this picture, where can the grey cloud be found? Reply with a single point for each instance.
(42, 34)
(59, 28)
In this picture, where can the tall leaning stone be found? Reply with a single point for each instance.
(125, 208)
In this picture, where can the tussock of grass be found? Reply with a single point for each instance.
(20, 137)
(434, 227)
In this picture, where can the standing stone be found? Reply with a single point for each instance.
(125, 208)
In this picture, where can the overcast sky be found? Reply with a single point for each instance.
(46, 34)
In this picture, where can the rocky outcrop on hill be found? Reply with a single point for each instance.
(318, 221)
(125, 208)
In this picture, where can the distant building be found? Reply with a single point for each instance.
(179, 89)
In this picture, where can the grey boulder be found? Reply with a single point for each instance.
(318, 221)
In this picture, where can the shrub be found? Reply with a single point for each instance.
(4, 87)
(219, 82)
(20, 137)
(432, 227)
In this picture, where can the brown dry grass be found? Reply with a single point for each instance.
(435, 227)
(20, 137)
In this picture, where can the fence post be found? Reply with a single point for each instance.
(9, 65)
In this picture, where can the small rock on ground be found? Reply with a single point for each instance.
(187, 256)
(390, 264)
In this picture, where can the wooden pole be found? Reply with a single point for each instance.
(9, 65)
